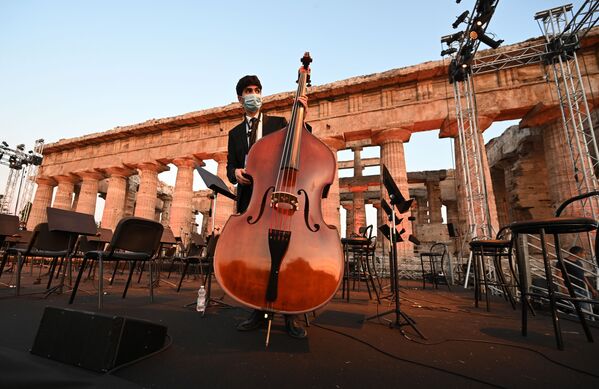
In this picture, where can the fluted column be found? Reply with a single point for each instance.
(433, 191)
(224, 205)
(148, 189)
(115, 196)
(167, 202)
(41, 201)
(64, 192)
(392, 156)
(331, 204)
(359, 208)
(477, 215)
(88, 194)
(349, 218)
(182, 195)
(560, 169)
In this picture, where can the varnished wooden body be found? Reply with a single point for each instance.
(312, 267)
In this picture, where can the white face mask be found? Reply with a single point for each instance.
(252, 102)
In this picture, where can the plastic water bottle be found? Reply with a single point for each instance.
(201, 303)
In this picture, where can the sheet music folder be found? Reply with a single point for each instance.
(215, 184)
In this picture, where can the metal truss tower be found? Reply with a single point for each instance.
(562, 32)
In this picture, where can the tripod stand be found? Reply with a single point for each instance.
(402, 205)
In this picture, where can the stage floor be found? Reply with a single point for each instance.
(464, 346)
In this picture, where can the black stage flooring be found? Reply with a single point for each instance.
(465, 346)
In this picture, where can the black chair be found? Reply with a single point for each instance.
(43, 243)
(195, 257)
(435, 257)
(134, 240)
(556, 227)
(9, 226)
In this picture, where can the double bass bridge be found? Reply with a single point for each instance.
(284, 201)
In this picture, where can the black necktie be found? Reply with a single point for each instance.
(253, 130)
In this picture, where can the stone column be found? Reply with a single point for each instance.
(148, 189)
(359, 208)
(88, 193)
(167, 202)
(64, 192)
(422, 210)
(433, 191)
(349, 218)
(115, 196)
(42, 200)
(182, 195)
(392, 156)
(478, 217)
(560, 168)
(330, 205)
(131, 189)
(224, 205)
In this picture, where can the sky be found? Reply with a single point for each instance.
(70, 68)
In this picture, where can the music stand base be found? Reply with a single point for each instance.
(397, 323)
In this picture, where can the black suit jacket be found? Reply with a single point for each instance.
(237, 150)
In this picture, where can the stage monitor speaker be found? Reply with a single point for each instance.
(95, 341)
(451, 230)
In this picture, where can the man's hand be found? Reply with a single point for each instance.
(303, 100)
(239, 176)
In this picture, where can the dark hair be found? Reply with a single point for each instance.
(576, 250)
(246, 81)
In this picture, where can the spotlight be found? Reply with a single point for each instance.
(458, 1)
(449, 39)
(4, 144)
(477, 34)
(460, 19)
(449, 51)
(21, 147)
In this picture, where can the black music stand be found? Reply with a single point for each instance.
(75, 224)
(402, 205)
(217, 186)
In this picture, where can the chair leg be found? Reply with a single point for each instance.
(51, 271)
(182, 275)
(116, 267)
(423, 275)
(151, 280)
(20, 263)
(4, 258)
(129, 278)
(100, 282)
(551, 293)
(474, 262)
(572, 293)
(76, 286)
(142, 266)
(483, 268)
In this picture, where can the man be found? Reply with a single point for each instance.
(241, 138)
(582, 286)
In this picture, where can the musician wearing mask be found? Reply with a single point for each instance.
(254, 126)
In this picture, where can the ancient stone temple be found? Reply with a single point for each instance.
(384, 110)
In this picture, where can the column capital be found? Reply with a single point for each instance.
(334, 143)
(220, 157)
(66, 178)
(187, 161)
(449, 127)
(43, 180)
(540, 115)
(120, 171)
(90, 175)
(392, 135)
(153, 166)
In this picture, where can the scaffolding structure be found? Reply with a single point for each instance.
(23, 167)
(562, 31)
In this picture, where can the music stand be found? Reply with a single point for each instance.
(217, 186)
(74, 224)
(402, 205)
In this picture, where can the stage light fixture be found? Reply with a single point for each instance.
(449, 51)
(449, 39)
(4, 144)
(489, 41)
(460, 19)
(21, 147)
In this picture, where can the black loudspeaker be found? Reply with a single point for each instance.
(451, 230)
(95, 341)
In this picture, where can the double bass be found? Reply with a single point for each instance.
(280, 256)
